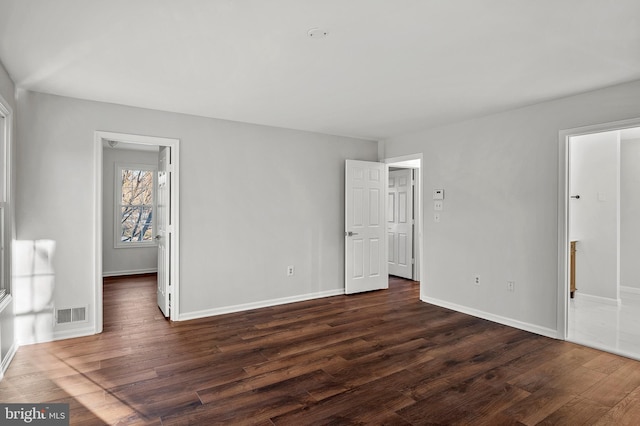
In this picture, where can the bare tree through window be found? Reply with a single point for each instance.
(136, 205)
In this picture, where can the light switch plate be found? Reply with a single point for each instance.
(438, 194)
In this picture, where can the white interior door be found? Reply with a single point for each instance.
(365, 257)
(163, 234)
(400, 223)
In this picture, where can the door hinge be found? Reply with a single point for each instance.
(413, 261)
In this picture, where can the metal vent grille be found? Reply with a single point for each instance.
(78, 314)
(64, 316)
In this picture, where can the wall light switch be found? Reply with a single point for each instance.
(438, 194)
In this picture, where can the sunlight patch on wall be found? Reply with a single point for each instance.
(33, 286)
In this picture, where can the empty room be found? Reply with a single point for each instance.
(318, 212)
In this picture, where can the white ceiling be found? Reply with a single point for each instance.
(387, 67)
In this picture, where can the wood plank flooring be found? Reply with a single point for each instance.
(375, 358)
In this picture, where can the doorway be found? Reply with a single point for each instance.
(129, 212)
(144, 147)
(404, 217)
(366, 238)
(599, 223)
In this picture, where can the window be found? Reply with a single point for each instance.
(134, 215)
(5, 247)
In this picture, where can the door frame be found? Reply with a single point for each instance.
(563, 212)
(99, 138)
(418, 230)
(413, 186)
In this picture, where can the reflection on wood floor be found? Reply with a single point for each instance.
(381, 357)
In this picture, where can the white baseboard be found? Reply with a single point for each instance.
(532, 328)
(7, 359)
(261, 304)
(76, 332)
(129, 272)
(60, 335)
(630, 290)
(597, 299)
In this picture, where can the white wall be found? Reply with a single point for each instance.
(122, 261)
(500, 175)
(630, 213)
(254, 199)
(594, 175)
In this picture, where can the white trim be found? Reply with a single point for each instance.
(174, 144)
(597, 299)
(72, 333)
(629, 290)
(60, 335)
(130, 272)
(5, 301)
(532, 328)
(261, 304)
(6, 197)
(563, 211)
(8, 358)
(7, 113)
(420, 222)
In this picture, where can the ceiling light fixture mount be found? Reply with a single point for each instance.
(317, 33)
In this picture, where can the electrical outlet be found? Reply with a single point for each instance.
(290, 270)
(511, 286)
(437, 205)
(476, 279)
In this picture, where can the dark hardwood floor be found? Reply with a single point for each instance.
(375, 358)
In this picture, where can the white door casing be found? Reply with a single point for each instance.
(100, 139)
(564, 213)
(163, 232)
(365, 226)
(400, 223)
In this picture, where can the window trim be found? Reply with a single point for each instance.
(117, 224)
(6, 232)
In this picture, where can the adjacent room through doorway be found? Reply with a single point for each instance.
(403, 218)
(603, 231)
(137, 226)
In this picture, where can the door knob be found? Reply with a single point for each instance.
(350, 234)
(157, 237)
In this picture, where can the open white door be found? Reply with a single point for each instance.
(163, 234)
(365, 254)
(400, 223)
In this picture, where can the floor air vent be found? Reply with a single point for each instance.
(64, 316)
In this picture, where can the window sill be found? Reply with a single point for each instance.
(135, 245)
